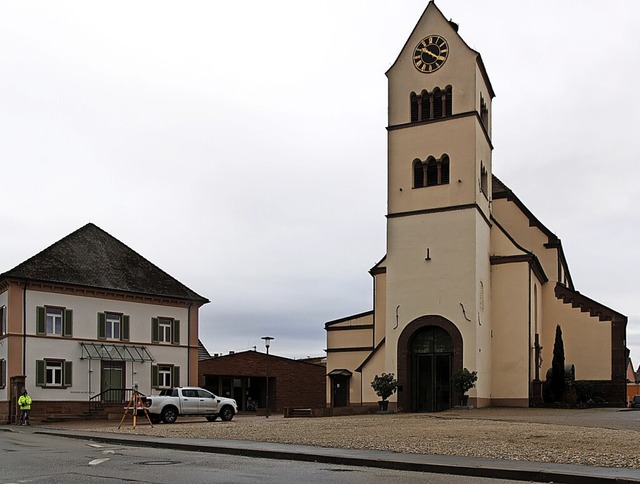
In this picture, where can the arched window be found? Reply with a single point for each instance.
(444, 170)
(432, 171)
(430, 340)
(425, 113)
(418, 174)
(484, 112)
(414, 108)
(484, 180)
(437, 103)
(436, 171)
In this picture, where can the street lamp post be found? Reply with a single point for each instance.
(267, 343)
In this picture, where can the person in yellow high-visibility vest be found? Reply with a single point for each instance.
(24, 402)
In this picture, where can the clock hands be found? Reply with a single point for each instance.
(437, 57)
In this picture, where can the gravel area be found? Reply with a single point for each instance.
(568, 437)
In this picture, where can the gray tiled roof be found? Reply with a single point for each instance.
(90, 257)
(497, 185)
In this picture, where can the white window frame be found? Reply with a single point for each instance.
(53, 373)
(113, 327)
(164, 376)
(164, 330)
(54, 321)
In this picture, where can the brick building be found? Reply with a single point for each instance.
(243, 376)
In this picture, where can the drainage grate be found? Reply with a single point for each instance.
(160, 462)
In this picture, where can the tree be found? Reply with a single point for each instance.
(557, 367)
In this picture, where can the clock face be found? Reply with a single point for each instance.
(430, 53)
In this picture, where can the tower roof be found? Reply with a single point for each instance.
(90, 257)
(432, 9)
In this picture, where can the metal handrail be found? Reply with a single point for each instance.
(110, 395)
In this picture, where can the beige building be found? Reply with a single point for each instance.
(87, 320)
(471, 277)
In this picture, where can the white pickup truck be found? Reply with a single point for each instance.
(175, 402)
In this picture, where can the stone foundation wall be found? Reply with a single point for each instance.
(42, 410)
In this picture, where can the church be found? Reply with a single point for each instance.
(471, 278)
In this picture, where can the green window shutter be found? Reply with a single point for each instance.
(40, 373)
(175, 376)
(67, 377)
(124, 332)
(102, 326)
(155, 329)
(3, 376)
(40, 320)
(154, 376)
(67, 324)
(176, 332)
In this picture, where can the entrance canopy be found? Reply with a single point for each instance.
(340, 372)
(101, 351)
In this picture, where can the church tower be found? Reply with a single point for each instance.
(437, 268)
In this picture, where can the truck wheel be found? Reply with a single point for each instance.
(226, 414)
(169, 415)
(212, 418)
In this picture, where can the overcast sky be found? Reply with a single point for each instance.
(241, 146)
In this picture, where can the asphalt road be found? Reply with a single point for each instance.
(31, 457)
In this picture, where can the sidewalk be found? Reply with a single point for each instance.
(469, 466)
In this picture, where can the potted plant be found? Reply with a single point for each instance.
(384, 385)
(463, 381)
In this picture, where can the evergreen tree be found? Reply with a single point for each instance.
(557, 367)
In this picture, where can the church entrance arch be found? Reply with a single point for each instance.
(429, 352)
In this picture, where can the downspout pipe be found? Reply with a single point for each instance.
(529, 335)
(24, 329)
(189, 343)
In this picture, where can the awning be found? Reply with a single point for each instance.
(340, 372)
(101, 351)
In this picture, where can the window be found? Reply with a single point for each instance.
(113, 326)
(415, 108)
(3, 320)
(431, 105)
(3, 373)
(426, 107)
(165, 330)
(437, 103)
(484, 180)
(54, 321)
(418, 174)
(53, 373)
(165, 376)
(484, 112)
(434, 172)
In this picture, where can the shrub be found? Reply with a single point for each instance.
(385, 385)
(464, 380)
